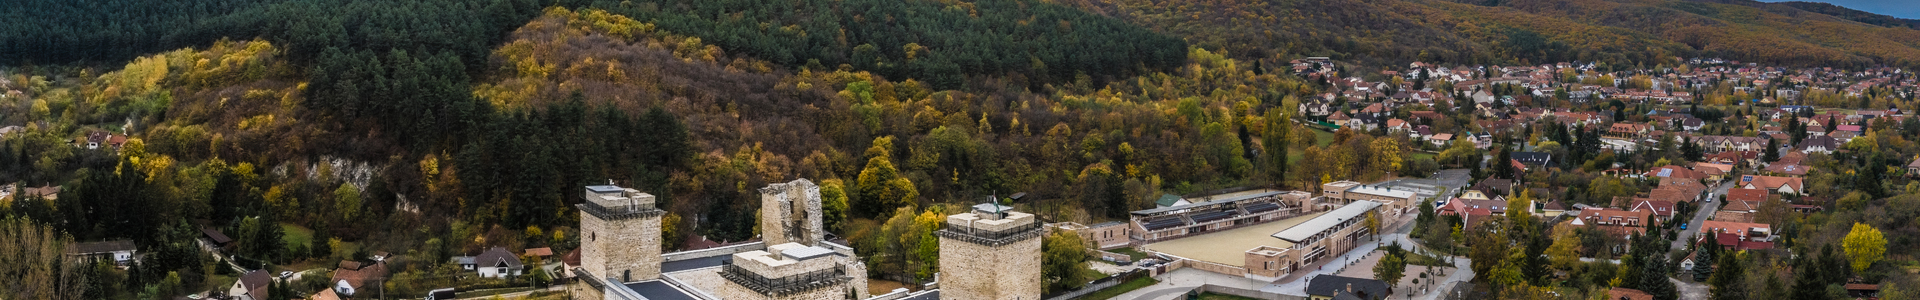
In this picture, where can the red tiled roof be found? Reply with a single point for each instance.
(1746, 195)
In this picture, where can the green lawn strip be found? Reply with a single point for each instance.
(1136, 255)
(1122, 288)
(296, 235)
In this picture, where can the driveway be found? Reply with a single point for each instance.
(1690, 290)
(1706, 210)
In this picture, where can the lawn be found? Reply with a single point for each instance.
(1422, 155)
(1136, 255)
(296, 235)
(1322, 137)
(216, 282)
(1122, 288)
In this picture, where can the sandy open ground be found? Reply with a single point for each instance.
(1230, 247)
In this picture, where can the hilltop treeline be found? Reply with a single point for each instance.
(1614, 33)
(937, 42)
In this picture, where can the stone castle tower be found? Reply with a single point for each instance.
(790, 213)
(991, 253)
(620, 234)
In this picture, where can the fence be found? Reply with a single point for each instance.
(1097, 285)
(1216, 267)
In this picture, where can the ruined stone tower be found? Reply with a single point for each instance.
(790, 213)
(991, 253)
(620, 234)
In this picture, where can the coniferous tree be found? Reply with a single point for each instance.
(1653, 279)
(1729, 282)
(1703, 257)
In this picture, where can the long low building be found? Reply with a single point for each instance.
(1397, 201)
(1159, 224)
(1328, 234)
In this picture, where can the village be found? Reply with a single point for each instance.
(1713, 153)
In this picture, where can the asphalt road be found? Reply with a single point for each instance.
(1706, 210)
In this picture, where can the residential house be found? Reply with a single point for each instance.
(211, 239)
(1818, 144)
(1441, 139)
(1749, 159)
(1553, 209)
(352, 276)
(1743, 231)
(1628, 131)
(1398, 126)
(326, 294)
(1737, 235)
(498, 263)
(1678, 172)
(1733, 216)
(1661, 209)
(1781, 185)
(94, 139)
(1679, 190)
(120, 252)
(1327, 287)
(1627, 294)
(1721, 143)
(540, 255)
(1170, 200)
(1715, 172)
(1616, 220)
(1746, 194)
(1494, 186)
(252, 286)
(1533, 158)
(1782, 168)
(48, 192)
(1913, 168)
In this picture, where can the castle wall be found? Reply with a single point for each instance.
(626, 247)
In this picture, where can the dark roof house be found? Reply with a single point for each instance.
(1331, 285)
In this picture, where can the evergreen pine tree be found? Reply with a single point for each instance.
(1729, 283)
(1653, 278)
(1703, 258)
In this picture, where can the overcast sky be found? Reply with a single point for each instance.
(1905, 9)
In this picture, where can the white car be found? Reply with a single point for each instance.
(285, 274)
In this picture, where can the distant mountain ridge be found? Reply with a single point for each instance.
(1852, 14)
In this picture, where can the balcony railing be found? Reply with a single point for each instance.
(783, 286)
(991, 238)
(620, 211)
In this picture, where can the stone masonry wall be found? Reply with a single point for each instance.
(971, 271)
(627, 248)
(787, 206)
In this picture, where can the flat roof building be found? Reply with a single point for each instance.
(1166, 223)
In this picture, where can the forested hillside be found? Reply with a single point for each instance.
(1851, 14)
(238, 135)
(1618, 33)
(938, 42)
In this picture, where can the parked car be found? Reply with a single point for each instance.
(285, 274)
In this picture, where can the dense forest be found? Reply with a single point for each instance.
(1615, 33)
(443, 127)
(937, 42)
